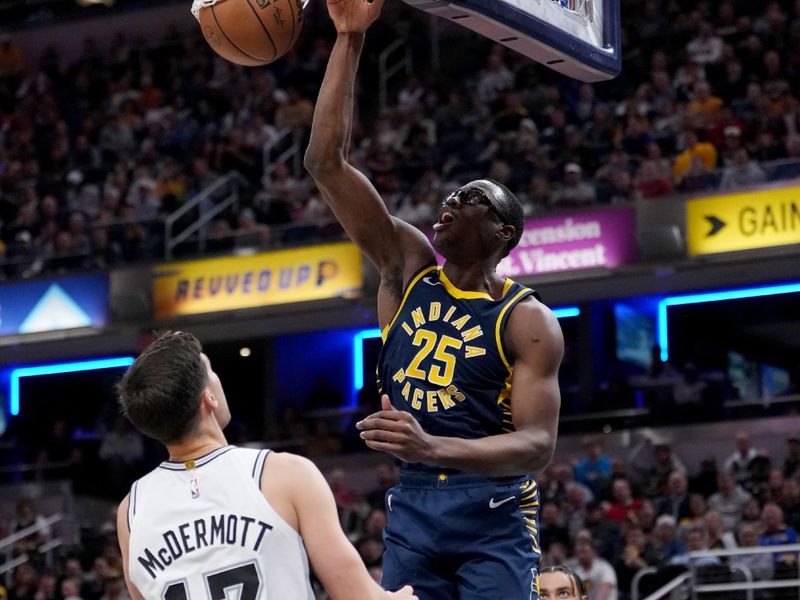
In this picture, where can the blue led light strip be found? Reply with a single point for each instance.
(57, 368)
(564, 312)
(738, 294)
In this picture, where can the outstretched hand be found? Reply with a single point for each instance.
(354, 16)
(398, 433)
(404, 593)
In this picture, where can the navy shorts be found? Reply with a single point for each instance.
(462, 537)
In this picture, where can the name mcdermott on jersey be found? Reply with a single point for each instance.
(230, 530)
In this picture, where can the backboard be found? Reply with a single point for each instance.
(579, 38)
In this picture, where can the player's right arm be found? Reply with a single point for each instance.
(123, 535)
(333, 557)
(396, 248)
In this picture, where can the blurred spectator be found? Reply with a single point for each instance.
(574, 191)
(12, 61)
(742, 463)
(597, 573)
(28, 517)
(637, 554)
(675, 501)
(760, 565)
(385, 477)
(696, 540)
(791, 464)
(777, 533)
(651, 182)
(742, 172)
(594, 470)
(122, 450)
(706, 48)
(551, 527)
(665, 540)
(694, 148)
(729, 500)
(623, 503)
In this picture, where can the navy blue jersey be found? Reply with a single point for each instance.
(443, 357)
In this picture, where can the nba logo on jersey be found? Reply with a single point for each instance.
(194, 488)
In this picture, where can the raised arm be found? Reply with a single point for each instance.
(534, 339)
(396, 248)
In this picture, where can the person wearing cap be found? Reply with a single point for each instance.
(574, 191)
(462, 523)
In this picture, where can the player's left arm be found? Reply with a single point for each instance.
(534, 340)
(124, 535)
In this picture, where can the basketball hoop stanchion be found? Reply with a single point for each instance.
(579, 38)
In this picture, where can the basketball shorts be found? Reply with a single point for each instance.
(462, 537)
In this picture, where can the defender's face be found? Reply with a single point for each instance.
(555, 585)
(214, 386)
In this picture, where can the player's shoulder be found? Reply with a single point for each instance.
(290, 465)
(531, 310)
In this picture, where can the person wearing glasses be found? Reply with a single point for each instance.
(468, 371)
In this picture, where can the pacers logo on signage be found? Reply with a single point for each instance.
(743, 221)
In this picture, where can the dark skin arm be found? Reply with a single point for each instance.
(396, 248)
(536, 344)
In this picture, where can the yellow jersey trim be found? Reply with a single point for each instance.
(417, 277)
(465, 295)
(499, 341)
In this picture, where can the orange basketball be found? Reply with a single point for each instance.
(250, 32)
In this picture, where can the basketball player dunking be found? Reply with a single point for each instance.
(216, 518)
(463, 521)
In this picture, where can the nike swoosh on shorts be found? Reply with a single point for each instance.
(493, 504)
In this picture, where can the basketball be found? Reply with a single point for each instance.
(250, 32)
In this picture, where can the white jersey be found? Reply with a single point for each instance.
(206, 532)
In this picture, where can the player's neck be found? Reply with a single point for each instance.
(475, 277)
(196, 447)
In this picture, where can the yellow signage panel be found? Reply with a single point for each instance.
(235, 282)
(743, 221)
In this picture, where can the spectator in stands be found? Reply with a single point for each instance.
(594, 470)
(743, 462)
(729, 500)
(694, 147)
(665, 540)
(574, 191)
(665, 463)
(761, 565)
(551, 527)
(651, 181)
(637, 554)
(386, 476)
(623, 503)
(742, 172)
(24, 584)
(706, 48)
(790, 502)
(596, 572)
(604, 532)
(122, 450)
(676, 500)
(27, 517)
(791, 464)
(719, 536)
(695, 540)
(12, 61)
(777, 533)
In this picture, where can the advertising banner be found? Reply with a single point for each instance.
(236, 282)
(758, 219)
(590, 240)
(53, 304)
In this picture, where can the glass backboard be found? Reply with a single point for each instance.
(580, 38)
